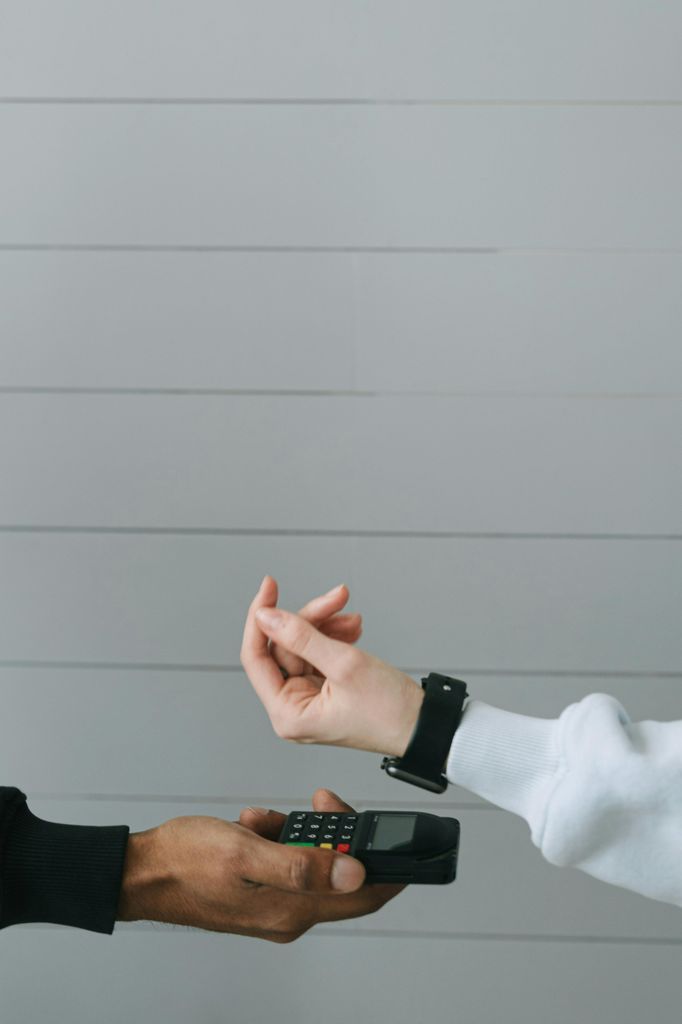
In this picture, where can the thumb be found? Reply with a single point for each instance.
(298, 636)
(301, 869)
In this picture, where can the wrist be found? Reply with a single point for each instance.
(144, 879)
(397, 743)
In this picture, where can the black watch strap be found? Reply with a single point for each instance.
(426, 753)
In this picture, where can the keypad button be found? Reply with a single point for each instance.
(300, 817)
(294, 837)
(325, 846)
(309, 836)
(343, 847)
(317, 817)
(328, 835)
(314, 828)
(351, 817)
(346, 838)
(297, 826)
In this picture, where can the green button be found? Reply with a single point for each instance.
(300, 844)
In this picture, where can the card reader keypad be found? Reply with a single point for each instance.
(330, 831)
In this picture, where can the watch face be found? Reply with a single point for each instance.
(432, 785)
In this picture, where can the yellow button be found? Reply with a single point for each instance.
(325, 846)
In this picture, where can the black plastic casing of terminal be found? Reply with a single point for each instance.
(429, 857)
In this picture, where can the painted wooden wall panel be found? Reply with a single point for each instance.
(192, 734)
(510, 604)
(174, 976)
(350, 463)
(356, 177)
(312, 49)
(559, 129)
(565, 322)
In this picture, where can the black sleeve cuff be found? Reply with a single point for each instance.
(61, 874)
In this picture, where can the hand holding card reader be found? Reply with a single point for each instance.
(394, 846)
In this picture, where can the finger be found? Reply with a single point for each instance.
(299, 869)
(355, 904)
(298, 636)
(327, 800)
(322, 607)
(265, 823)
(318, 611)
(347, 628)
(342, 627)
(303, 911)
(262, 670)
(253, 640)
(269, 824)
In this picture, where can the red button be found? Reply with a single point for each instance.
(343, 847)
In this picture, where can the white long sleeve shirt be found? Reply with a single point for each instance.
(599, 792)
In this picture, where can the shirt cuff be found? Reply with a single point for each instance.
(512, 760)
(61, 874)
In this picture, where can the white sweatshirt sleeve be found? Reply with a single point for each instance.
(599, 792)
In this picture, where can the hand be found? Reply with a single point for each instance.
(232, 877)
(322, 613)
(341, 696)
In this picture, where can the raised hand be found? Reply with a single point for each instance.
(340, 695)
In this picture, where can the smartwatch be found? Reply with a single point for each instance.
(440, 714)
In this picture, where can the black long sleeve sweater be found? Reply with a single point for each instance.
(60, 874)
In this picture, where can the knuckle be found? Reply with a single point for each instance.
(280, 726)
(301, 873)
(378, 899)
(301, 639)
(286, 925)
(283, 726)
(284, 938)
(350, 661)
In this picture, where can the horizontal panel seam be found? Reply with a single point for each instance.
(198, 392)
(329, 101)
(143, 666)
(208, 531)
(502, 937)
(444, 250)
(401, 933)
(250, 799)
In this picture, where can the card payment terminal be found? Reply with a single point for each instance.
(394, 846)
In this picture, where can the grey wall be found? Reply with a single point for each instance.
(380, 293)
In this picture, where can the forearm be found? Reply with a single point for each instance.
(599, 792)
(60, 874)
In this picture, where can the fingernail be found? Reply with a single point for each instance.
(258, 810)
(346, 873)
(337, 588)
(269, 617)
(262, 583)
